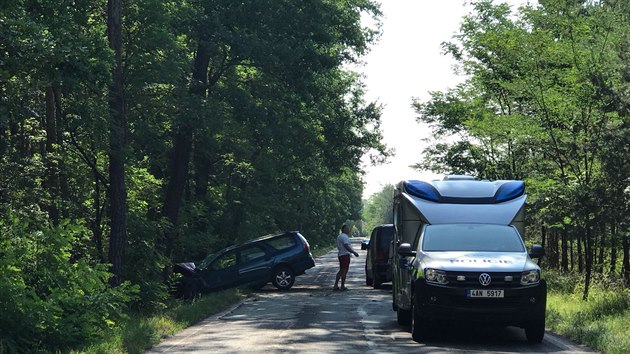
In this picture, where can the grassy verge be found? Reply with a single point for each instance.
(600, 323)
(140, 333)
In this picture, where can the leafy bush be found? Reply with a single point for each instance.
(48, 300)
(562, 283)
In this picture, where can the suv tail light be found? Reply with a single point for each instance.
(305, 246)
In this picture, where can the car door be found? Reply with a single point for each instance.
(222, 272)
(255, 265)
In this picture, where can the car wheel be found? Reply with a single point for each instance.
(394, 306)
(403, 317)
(192, 289)
(419, 325)
(535, 331)
(283, 278)
(376, 282)
(368, 281)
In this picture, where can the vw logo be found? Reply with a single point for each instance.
(485, 279)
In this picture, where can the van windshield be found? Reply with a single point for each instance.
(472, 237)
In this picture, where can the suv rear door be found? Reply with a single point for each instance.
(255, 264)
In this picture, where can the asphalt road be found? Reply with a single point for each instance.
(312, 318)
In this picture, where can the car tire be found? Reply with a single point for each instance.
(403, 317)
(419, 325)
(376, 282)
(368, 281)
(192, 289)
(535, 330)
(283, 278)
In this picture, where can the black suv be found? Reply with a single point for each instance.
(378, 268)
(277, 258)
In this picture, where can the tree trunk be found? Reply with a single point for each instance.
(182, 148)
(52, 169)
(589, 262)
(626, 258)
(565, 257)
(602, 248)
(580, 255)
(117, 143)
(613, 248)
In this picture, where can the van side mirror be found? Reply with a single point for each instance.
(537, 251)
(405, 250)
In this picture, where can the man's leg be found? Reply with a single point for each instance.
(344, 272)
(345, 265)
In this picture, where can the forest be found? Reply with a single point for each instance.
(135, 134)
(546, 101)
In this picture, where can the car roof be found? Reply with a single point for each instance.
(256, 240)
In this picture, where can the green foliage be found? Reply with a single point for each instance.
(600, 322)
(543, 102)
(378, 208)
(49, 298)
(275, 134)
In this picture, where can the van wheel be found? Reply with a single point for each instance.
(377, 282)
(283, 278)
(419, 325)
(403, 317)
(368, 281)
(535, 330)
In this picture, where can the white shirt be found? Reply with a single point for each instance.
(342, 240)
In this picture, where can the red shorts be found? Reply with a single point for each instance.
(344, 261)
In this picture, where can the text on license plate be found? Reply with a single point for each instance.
(484, 293)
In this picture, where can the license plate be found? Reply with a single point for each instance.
(493, 293)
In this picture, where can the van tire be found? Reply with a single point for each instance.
(535, 330)
(403, 316)
(419, 325)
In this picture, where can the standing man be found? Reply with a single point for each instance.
(344, 249)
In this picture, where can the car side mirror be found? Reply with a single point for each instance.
(405, 250)
(537, 251)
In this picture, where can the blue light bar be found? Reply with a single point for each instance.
(465, 192)
(422, 190)
(509, 191)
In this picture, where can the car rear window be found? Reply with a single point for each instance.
(386, 237)
(281, 242)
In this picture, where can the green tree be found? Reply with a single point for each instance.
(379, 208)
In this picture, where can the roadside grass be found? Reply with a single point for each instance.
(600, 323)
(140, 333)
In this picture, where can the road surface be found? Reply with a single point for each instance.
(312, 318)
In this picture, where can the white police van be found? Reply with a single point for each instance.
(460, 256)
